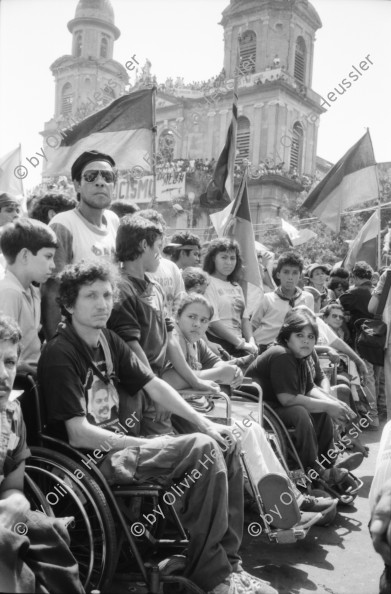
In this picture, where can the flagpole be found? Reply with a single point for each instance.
(378, 210)
(20, 160)
(235, 118)
(154, 137)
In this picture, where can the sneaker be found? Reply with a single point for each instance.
(317, 504)
(226, 587)
(251, 583)
(350, 462)
(334, 476)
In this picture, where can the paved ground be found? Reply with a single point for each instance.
(338, 559)
(332, 560)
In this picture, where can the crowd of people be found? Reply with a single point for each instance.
(111, 330)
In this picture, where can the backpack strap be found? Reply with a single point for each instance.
(383, 296)
(109, 376)
(107, 354)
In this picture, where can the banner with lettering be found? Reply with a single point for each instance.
(169, 186)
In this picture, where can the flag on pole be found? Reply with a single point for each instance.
(351, 181)
(123, 130)
(220, 189)
(235, 222)
(364, 247)
(296, 236)
(9, 182)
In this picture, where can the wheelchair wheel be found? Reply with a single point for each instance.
(36, 497)
(93, 534)
(275, 434)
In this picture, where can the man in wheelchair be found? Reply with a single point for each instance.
(82, 352)
(34, 548)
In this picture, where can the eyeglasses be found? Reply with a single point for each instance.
(337, 316)
(92, 174)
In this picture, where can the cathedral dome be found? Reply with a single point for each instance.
(99, 12)
(99, 9)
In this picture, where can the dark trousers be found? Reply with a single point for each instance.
(205, 485)
(313, 434)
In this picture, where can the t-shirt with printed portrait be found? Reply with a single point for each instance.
(71, 386)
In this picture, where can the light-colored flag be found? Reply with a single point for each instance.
(364, 246)
(9, 182)
(351, 181)
(296, 236)
(235, 222)
(122, 130)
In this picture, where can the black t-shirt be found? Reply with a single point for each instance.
(278, 371)
(71, 387)
(356, 302)
(139, 315)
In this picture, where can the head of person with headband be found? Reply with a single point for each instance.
(94, 178)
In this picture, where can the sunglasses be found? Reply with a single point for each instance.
(92, 174)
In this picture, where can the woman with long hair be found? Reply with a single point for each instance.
(230, 326)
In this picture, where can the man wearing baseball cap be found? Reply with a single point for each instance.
(86, 232)
(318, 274)
(10, 209)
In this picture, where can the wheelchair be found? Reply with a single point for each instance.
(245, 401)
(106, 534)
(283, 443)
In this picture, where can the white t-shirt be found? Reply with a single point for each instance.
(170, 279)
(228, 304)
(79, 239)
(269, 316)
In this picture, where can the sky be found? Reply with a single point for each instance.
(183, 38)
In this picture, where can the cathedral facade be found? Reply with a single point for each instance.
(269, 46)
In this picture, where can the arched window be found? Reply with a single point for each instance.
(248, 51)
(103, 47)
(66, 99)
(296, 147)
(243, 139)
(167, 144)
(300, 59)
(78, 45)
(108, 95)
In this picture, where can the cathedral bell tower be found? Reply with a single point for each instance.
(89, 78)
(275, 39)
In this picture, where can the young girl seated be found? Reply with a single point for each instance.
(296, 399)
(193, 316)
